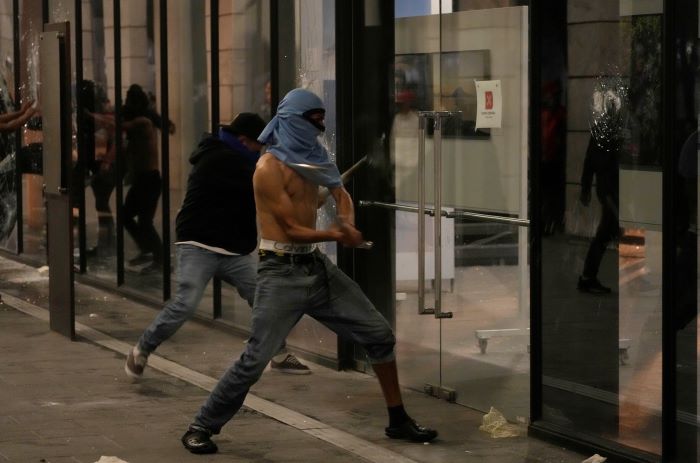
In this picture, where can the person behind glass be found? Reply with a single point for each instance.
(11, 121)
(294, 278)
(98, 146)
(142, 166)
(215, 235)
(602, 162)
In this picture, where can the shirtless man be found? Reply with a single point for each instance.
(295, 278)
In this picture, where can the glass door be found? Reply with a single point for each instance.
(459, 155)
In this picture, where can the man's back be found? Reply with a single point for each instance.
(218, 209)
(283, 198)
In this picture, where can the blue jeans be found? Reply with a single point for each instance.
(285, 292)
(195, 267)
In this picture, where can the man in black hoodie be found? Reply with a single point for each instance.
(216, 234)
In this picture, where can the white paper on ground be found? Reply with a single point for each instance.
(104, 459)
(594, 459)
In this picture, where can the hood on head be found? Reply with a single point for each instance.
(298, 102)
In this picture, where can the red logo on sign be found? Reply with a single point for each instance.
(489, 99)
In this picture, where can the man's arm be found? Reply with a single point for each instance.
(345, 217)
(272, 199)
(14, 120)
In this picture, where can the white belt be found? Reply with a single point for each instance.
(288, 248)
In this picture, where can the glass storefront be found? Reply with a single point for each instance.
(616, 233)
(527, 173)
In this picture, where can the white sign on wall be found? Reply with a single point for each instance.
(489, 104)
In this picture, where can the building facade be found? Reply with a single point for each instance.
(556, 140)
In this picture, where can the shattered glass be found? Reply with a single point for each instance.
(8, 185)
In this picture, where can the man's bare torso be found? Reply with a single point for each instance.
(297, 198)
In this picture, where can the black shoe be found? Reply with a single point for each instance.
(591, 285)
(412, 431)
(198, 441)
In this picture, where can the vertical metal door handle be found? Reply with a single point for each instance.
(437, 162)
(422, 310)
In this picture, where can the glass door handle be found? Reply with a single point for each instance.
(436, 118)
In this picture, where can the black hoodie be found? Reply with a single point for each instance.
(219, 207)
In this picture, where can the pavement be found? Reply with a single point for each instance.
(70, 401)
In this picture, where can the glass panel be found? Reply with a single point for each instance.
(601, 249)
(98, 139)
(142, 124)
(311, 62)
(484, 265)
(244, 86)
(484, 348)
(33, 208)
(8, 177)
(687, 144)
(189, 104)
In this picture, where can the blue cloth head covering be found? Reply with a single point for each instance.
(232, 142)
(292, 139)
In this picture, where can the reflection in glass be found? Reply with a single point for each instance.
(33, 208)
(98, 140)
(8, 178)
(481, 352)
(141, 133)
(686, 152)
(601, 249)
(244, 86)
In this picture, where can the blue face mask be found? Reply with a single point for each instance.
(235, 144)
(293, 139)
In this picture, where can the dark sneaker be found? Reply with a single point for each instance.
(290, 365)
(141, 259)
(591, 285)
(198, 440)
(410, 430)
(135, 363)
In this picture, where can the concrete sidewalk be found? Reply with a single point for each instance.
(68, 401)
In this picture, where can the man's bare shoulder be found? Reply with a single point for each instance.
(268, 168)
(268, 164)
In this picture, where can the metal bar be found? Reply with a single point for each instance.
(421, 216)
(669, 405)
(488, 218)
(214, 39)
(119, 161)
(215, 115)
(165, 146)
(19, 222)
(448, 214)
(537, 12)
(396, 207)
(274, 57)
(80, 133)
(437, 221)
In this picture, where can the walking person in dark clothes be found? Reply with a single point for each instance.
(602, 162)
(142, 199)
(216, 234)
(295, 278)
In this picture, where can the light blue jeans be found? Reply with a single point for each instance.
(195, 267)
(285, 292)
